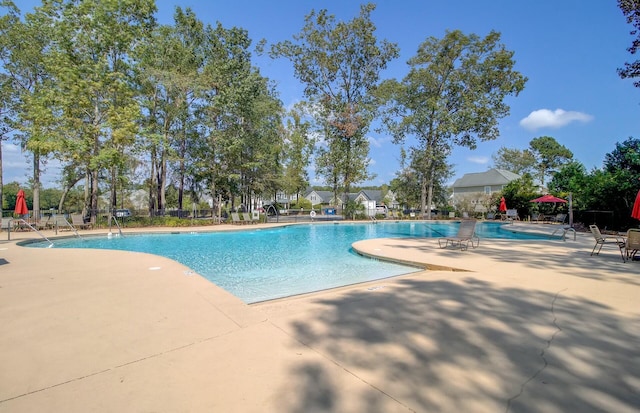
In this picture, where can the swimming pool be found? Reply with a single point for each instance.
(262, 264)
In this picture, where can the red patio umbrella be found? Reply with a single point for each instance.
(21, 204)
(549, 198)
(635, 212)
(503, 205)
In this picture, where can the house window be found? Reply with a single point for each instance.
(487, 190)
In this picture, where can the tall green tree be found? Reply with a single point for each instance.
(571, 178)
(631, 10)
(169, 71)
(454, 95)
(407, 184)
(623, 166)
(241, 146)
(28, 85)
(519, 193)
(298, 150)
(514, 160)
(8, 85)
(92, 64)
(340, 63)
(549, 155)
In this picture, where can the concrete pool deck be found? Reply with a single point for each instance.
(533, 326)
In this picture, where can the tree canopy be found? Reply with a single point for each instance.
(631, 10)
(339, 64)
(514, 160)
(549, 155)
(453, 95)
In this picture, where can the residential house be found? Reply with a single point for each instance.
(319, 197)
(475, 188)
(373, 200)
(375, 203)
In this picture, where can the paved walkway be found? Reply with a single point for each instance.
(536, 326)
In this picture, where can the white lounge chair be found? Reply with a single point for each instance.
(235, 218)
(560, 218)
(609, 239)
(247, 219)
(633, 243)
(6, 224)
(465, 236)
(512, 215)
(78, 222)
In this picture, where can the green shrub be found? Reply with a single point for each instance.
(301, 203)
(144, 222)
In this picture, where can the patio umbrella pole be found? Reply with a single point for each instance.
(570, 209)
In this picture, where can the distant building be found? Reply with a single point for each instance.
(372, 199)
(477, 187)
(319, 197)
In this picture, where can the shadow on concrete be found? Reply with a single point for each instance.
(571, 259)
(465, 345)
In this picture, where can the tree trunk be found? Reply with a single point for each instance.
(63, 198)
(152, 185)
(94, 195)
(114, 189)
(36, 186)
(87, 191)
(161, 181)
(65, 192)
(183, 152)
(423, 196)
(429, 199)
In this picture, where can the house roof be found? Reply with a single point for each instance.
(372, 194)
(490, 177)
(322, 194)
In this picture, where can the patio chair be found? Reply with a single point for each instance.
(560, 218)
(512, 215)
(59, 222)
(6, 224)
(247, 219)
(42, 223)
(537, 217)
(78, 222)
(466, 234)
(633, 243)
(235, 218)
(609, 239)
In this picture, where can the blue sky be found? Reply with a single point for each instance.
(569, 50)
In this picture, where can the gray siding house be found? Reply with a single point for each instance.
(477, 186)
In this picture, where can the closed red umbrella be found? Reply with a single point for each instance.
(21, 204)
(635, 212)
(503, 205)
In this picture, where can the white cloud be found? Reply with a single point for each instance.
(482, 160)
(376, 142)
(558, 118)
(10, 148)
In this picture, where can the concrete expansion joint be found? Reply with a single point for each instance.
(141, 359)
(54, 385)
(344, 368)
(542, 353)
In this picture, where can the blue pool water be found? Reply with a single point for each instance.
(264, 264)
